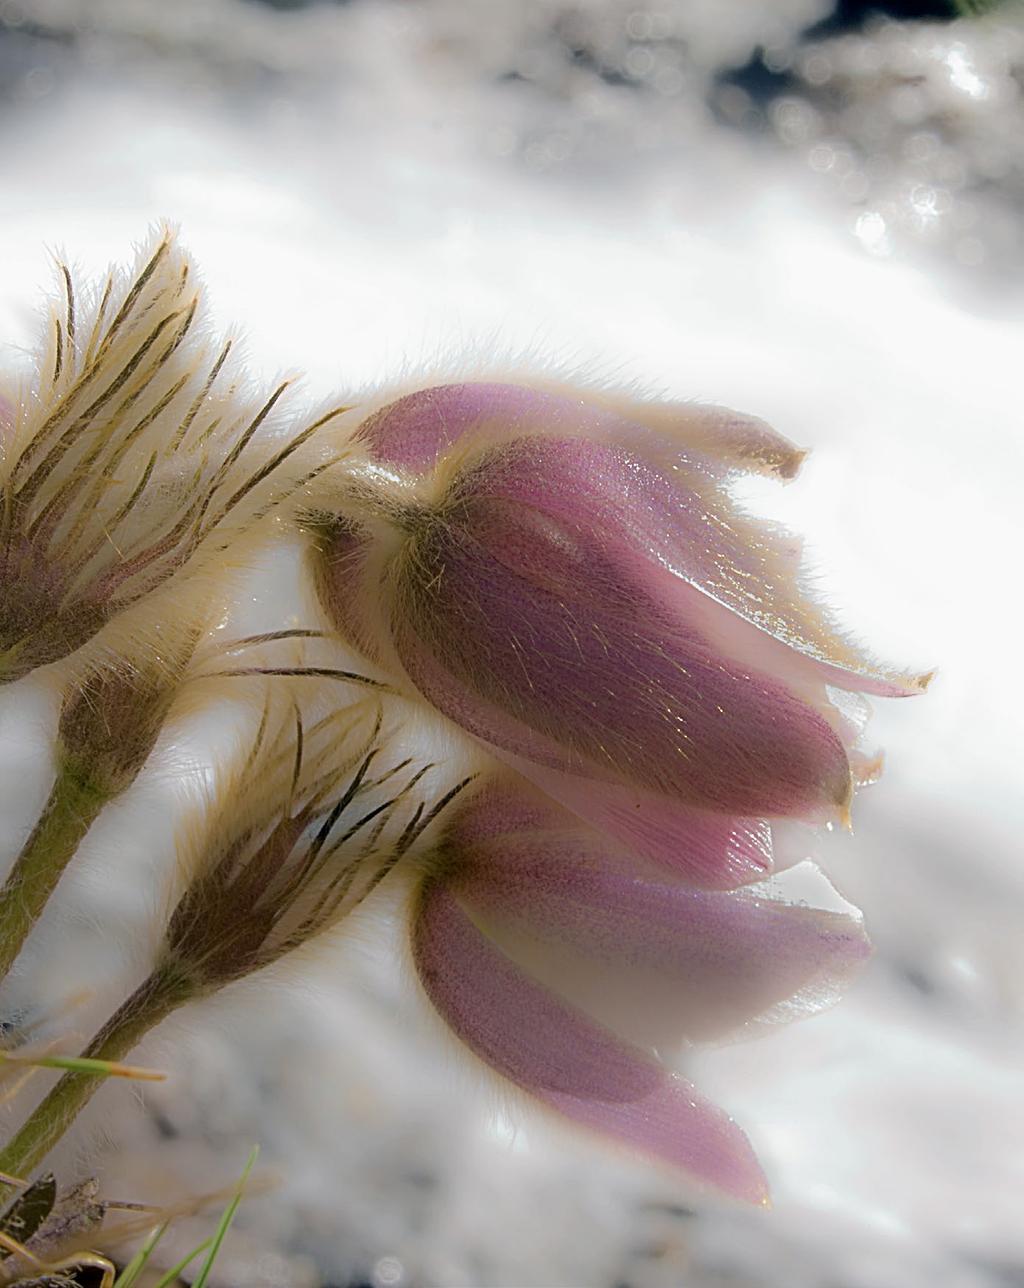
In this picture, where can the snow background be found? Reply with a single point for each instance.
(825, 233)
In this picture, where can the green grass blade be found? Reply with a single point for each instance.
(135, 1267)
(225, 1222)
(175, 1271)
(86, 1064)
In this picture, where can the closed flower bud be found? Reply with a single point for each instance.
(298, 838)
(562, 963)
(568, 579)
(138, 452)
(109, 724)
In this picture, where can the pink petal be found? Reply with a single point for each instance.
(344, 566)
(656, 961)
(678, 533)
(729, 438)
(496, 615)
(709, 851)
(413, 432)
(712, 851)
(550, 1050)
(650, 473)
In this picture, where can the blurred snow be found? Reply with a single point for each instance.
(676, 193)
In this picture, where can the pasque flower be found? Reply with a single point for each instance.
(138, 451)
(566, 577)
(563, 962)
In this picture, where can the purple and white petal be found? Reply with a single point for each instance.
(550, 1050)
(658, 961)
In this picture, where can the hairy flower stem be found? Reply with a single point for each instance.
(109, 724)
(73, 807)
(161, 993)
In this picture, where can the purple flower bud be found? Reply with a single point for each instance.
(561, 962)
(568, 579)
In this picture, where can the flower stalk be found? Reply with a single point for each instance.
(108, 726)
(72, 808)
(161, 993)
(307, 830)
